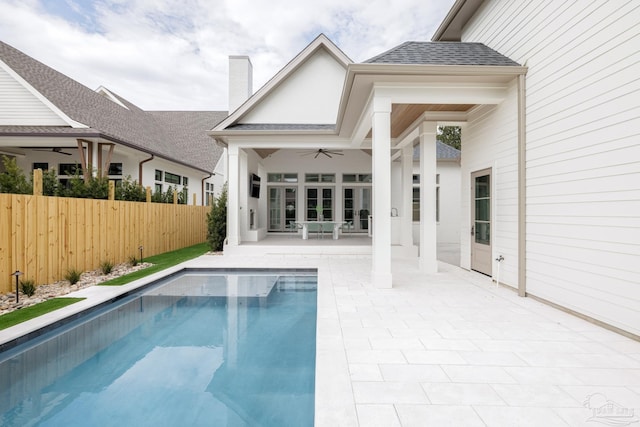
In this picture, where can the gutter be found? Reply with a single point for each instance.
(140, 168)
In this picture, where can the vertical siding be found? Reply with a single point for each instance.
(19, 107)
(490, 140)
(583, 148)
(44, 236)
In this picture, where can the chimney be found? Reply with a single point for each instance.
(240, 81)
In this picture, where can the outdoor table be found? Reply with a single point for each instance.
(334, 224)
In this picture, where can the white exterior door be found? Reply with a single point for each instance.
(357, 207)
(481, 221)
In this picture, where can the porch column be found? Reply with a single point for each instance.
(407, 196)
(428, 241)
(233, 196)
(381, 159)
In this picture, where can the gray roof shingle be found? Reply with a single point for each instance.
(443, 152)
(442, 53)
(177, 136)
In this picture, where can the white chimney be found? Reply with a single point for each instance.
(240, 81)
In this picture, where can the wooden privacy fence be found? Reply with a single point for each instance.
(44, 237)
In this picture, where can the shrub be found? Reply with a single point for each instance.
(13, 180)
(106, 267)
(130, 190)
(217, 222)
(28, 287)
(73, 276)
(133, 261)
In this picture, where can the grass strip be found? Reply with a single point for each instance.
(160, 262)
(28, 313)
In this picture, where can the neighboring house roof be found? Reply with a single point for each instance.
(442, 53)
(164, 134)
(443, 152)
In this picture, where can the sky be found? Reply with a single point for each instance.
(173, 54)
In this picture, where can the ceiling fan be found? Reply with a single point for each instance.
(316, 153)
(54, 150)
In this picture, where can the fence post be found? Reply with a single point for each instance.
(175, 197)
(112, 190)
(194, 199)
(37, 182)
(148, 194)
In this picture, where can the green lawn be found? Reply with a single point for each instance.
(160, 262)
(27, 313)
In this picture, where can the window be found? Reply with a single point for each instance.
(43, 166)
(158, 188)
(115, 169)
(282, 177)
(69, 169)
(172, 178)
(361, 177)
(158, 175)
(416, 198)
(319, 177)
(208, 194)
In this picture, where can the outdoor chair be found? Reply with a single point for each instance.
(315, 228)
(293, 228)
(348, 227)
(327, 228)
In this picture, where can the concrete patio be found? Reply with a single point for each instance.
(444, 349)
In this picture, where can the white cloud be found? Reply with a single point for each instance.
(172, 54)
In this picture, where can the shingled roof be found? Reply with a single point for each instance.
(179, 136)
(443, 152)
(442, 53)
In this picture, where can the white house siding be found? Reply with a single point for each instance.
(489, 140)
(311, 94)
(20, 107)
(583, 148)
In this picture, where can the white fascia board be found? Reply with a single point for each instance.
(42, 98)
(456, 93)
(320, 42)
(286, 141)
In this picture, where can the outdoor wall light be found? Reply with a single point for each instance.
(17, 274)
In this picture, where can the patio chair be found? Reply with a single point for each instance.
(326, 228)
(348, 227)
(293, 228)
(315, 228)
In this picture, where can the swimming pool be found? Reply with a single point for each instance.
(196, 349)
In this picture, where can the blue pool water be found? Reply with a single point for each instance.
(199, 349)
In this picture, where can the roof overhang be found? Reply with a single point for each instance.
(450, 30)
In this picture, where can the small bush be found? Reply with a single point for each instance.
(28, 287)
(106, 267)
(133, 261)
(73, 276)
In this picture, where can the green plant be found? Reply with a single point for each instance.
(13, 180)
(73, 276)
(130, 190)
(217, 222)
(133, 261)
(106, 267)
(50, 184)
(28, 287)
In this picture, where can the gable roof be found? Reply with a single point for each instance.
(442, 53)
(320, 42)
(164, 134)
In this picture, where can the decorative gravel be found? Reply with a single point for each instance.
(63, 287)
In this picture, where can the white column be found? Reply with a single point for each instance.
(407, 196)
(381, 159)
(233, 197)
(428, 242)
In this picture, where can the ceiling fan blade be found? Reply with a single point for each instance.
(317, 154)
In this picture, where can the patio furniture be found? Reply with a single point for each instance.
(319, 227)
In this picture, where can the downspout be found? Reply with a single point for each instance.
(140, 168)
(204, 202)
(522, 188)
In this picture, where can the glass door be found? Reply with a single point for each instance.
(319, 203)
(357, 207)
(282, 207)
(481, 221)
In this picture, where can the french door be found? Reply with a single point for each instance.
(481, 221)
(357, 207)
(282, 207)
(319, 202)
